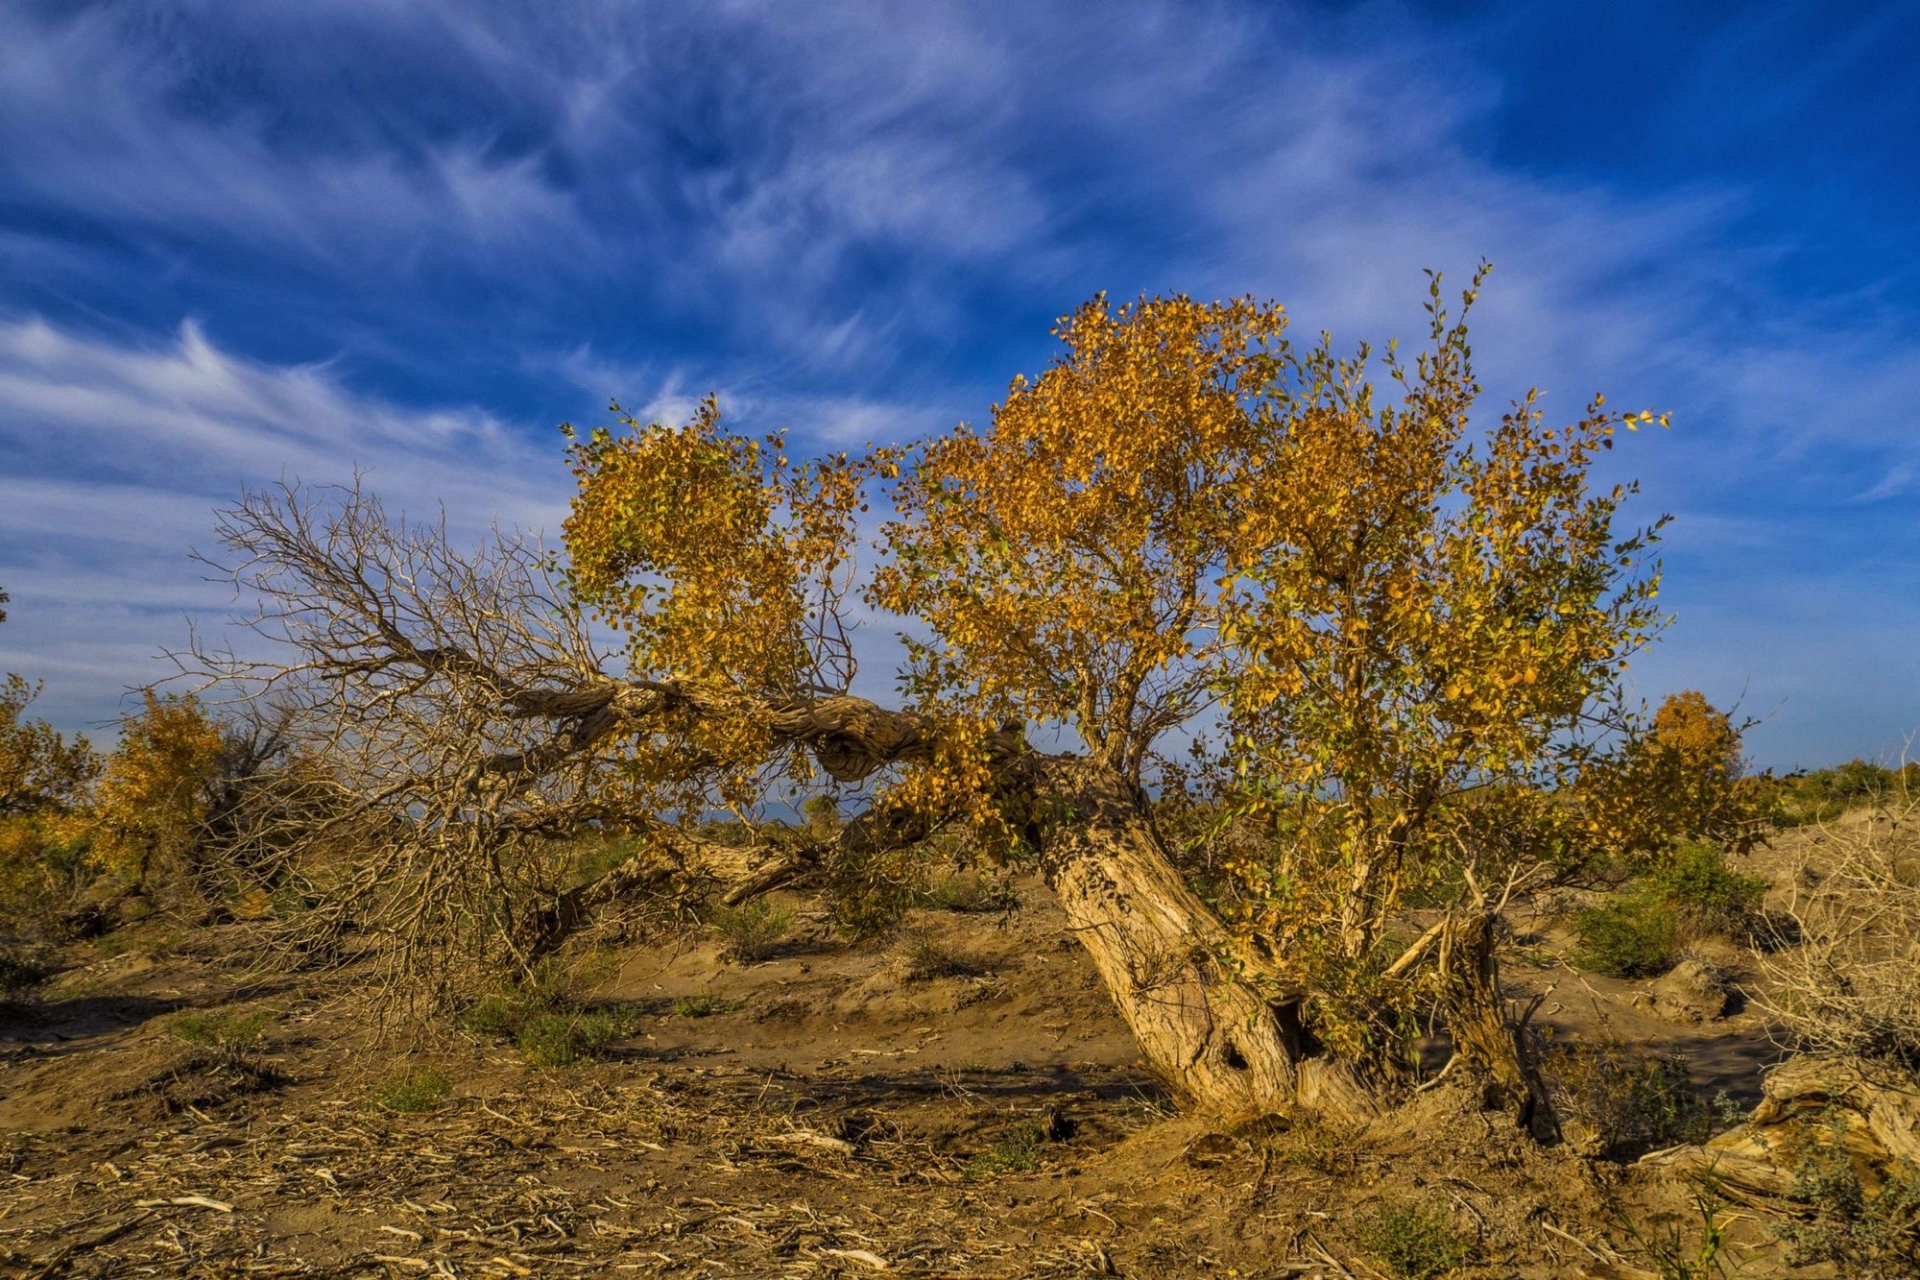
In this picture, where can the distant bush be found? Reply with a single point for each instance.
(1414, 1241)
(1821, 795)
(412, 1092)
(1692, 894)
(753, 929)
(822, 816)
(1613, 1098)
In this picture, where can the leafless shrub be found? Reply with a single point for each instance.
(1847, 977)
(420, 786)
(456, 730)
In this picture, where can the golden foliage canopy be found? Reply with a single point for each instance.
(1390, 603)
(1069, 557)
(40, 771)
(155, 789)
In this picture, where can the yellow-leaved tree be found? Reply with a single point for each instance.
(1395, 611)
(1432, 625)
(1677, 778)
(45, 779)
(156, 788)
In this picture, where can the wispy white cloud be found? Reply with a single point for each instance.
(855, 220)
(119, 455)
(97, 117)
(1898, 479)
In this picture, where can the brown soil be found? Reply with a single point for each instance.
(961, 1102)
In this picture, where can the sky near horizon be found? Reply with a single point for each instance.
(242, 242)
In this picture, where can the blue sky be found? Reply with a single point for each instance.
(244, 241)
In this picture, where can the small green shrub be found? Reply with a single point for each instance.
(224, 1030)
(1015, 1151)
(549, 988)
(1707, 894)
(550, 1026)
(704, 1005)
(1634, 936)
(1862, 1231)
(500, 1013)
(752, 930)
(970, 892)
(412, 1092)
(563, 1039)
(18, 972)
(869, 891)
(1414, 1241)
(1693, 894)
(1628, 1099)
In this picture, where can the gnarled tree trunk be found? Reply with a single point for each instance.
(1485, 1037)
(1864, 1112)
(1168, 960)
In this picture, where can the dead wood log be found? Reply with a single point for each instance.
(1872, 1108)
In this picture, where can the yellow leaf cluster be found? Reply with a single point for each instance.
(725, 564)
(1069, 556)
(40, 771)
(154, 791)
(1678, 780)
(45, 780)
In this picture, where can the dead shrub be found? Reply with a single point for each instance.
(1851, 984)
